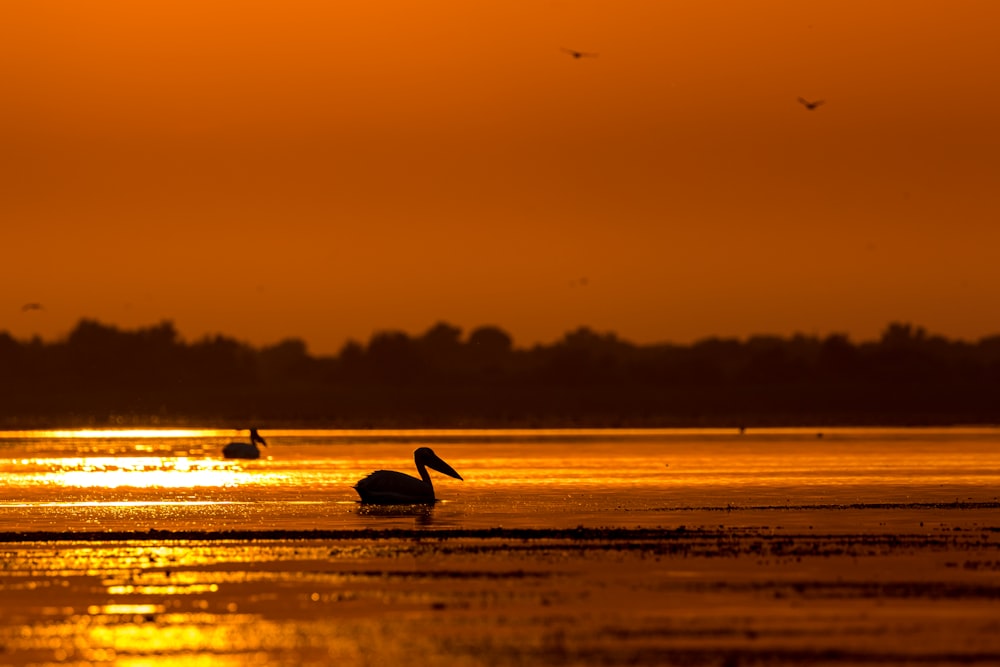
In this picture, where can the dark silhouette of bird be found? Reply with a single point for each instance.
(32, 306)
(578, 54)
(809, 105)
(388, 487)
(245, 450)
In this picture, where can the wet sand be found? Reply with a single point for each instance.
(708, 595)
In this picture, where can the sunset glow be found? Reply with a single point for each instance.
(324, 171)
(468, 334)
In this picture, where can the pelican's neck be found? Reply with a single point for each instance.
(424, 475)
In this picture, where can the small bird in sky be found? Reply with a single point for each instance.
(809, 105)
(32, 306)
(578, 54)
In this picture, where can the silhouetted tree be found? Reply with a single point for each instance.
(98, 371)
(440, 351)
(393, 357)
(288, 361)
(838, 359)
(489, 350)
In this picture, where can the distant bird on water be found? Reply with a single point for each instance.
(809, 105)
(577, 54)
(32, 306)
(388, 487)
(245, 450)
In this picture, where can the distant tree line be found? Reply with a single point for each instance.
(101, 375)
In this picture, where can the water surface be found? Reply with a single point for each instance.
(177, 480)
(584, 548)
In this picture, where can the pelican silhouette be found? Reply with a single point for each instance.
(245, 450)
(809, 105)
(577, 54)
(388, 487)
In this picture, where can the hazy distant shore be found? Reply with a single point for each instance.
(103, 377)
(267, 421)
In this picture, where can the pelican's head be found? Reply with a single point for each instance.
(427, 457)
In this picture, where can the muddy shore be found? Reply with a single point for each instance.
(586, 596)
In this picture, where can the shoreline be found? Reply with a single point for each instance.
(580, 534)
(31, 422)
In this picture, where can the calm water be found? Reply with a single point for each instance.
(173, 480)
(860, 547)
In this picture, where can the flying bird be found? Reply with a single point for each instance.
(245, 450)
(578, 54)
(32, 306)
(388, 487)
(809, 105)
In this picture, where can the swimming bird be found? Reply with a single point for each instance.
(245, 450)
(809, 105)
(388, 487)
(32, 306)
(578, 54)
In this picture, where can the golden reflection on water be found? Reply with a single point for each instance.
(105, 433)
(94, 610)
(148, 472)
(166, 589)
(148, 603)
(141, 472)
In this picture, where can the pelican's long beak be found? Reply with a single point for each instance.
(434, 462)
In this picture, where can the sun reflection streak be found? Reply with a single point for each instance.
(93, 610)
(162, 589)
(145, 472)
(105, 433)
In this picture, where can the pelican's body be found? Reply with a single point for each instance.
(388, 487)
(245, 450)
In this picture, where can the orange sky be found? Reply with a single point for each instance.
(325, 170)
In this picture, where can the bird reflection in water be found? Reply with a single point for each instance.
(388, 487)
(422, 513)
